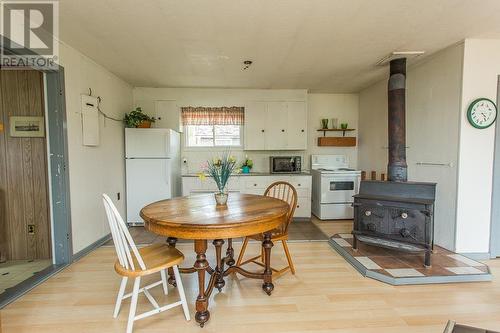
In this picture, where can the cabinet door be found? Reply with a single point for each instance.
(276, 125)
(167, 115)
(297, 125)
(255, 130)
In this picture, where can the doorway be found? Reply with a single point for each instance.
(25, 244)
(56, 183)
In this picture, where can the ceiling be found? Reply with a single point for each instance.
(320, 45)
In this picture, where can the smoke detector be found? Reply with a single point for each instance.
(399, 54)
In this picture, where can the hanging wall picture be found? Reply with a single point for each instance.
(27, 127)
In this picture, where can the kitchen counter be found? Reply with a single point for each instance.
(256, 174)
(255, 183)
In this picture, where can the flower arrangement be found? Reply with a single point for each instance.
(247, 165)
(220, 169)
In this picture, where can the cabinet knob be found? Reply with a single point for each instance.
(282, 130)
(262, 131)
(302, 131)
(254, 184)
(298, 206)
(298, 184)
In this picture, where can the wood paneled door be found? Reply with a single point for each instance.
(24, 199)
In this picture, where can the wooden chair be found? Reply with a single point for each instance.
(286, 192)
(135, 263)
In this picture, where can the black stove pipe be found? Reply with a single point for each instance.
(397, 167)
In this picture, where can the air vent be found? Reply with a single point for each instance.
(399, 54)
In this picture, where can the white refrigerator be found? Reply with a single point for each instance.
(152, 161)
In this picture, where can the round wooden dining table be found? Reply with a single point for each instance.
(198, 218)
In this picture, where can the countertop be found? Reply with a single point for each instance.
(257, 174)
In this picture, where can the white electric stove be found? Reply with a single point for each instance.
(333, 185)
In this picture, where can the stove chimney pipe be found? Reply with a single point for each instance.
(397, 167)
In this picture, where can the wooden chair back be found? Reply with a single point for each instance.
(126, 250)
(286, 192)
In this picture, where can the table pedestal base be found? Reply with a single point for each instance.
(201, 267)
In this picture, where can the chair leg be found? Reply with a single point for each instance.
(133, 304)
(242, 251)
(288, 256)
(164, 281)
(180, 288)
(119, 298)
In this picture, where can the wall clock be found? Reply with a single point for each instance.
(482, 113)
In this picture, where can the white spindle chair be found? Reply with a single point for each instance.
(135, 263)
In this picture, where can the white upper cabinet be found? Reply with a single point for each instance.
(276, 125)
(255, 126)
(167, 115)
(297, 126)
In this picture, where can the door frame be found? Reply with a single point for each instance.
(57, 149)
(495, 195)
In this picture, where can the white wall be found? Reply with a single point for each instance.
(372, 128)
(432, 130)
(342, 106)
(480, 72)
(93, 170)
(433, 116)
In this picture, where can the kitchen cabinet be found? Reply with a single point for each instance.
(276, 125)
(253, 184)
(297, 126)
(167, 115)
(255, 126)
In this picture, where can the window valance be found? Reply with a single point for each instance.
(234, 115)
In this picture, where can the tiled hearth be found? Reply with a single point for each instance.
(398, 268)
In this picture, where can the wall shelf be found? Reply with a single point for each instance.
(324, 130)
(337, 141)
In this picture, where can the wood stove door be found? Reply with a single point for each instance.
(409, 225)
(371, 219)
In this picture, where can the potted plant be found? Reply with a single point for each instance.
(138, 119)
(247, 165)
(220, 169)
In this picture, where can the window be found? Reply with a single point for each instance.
(213, 126)
(213, 136)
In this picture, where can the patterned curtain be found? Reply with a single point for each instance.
(234, 115)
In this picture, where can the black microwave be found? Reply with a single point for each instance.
(285, 164)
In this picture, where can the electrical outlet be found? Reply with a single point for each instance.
(118, 196)
(31, 229)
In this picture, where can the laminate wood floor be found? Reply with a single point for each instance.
(326, 295)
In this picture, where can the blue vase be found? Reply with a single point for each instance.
(245, 169)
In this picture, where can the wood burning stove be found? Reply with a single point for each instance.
(396, 214)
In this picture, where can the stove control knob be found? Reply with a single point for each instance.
(404, 232)
(371, 227)
(404, 215)
(368, 213)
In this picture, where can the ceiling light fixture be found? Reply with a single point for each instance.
(247, 64)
